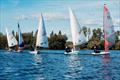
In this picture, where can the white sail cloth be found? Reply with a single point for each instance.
(42, 39)
(78, 36)
(11, 39)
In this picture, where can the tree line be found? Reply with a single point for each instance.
(59, 40)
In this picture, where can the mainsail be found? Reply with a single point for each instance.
(20, 38)
(109, 33)
(89, 34)
(42, 40)
(78, 36)
(11, 39)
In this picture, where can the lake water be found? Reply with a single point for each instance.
(54, 65)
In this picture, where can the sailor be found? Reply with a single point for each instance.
(96, 49)
(32, 48)
(67, 49)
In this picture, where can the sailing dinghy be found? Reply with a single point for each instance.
(42, 39)
(78, 36)
(12, 42)
(20, 40)
(109, 33)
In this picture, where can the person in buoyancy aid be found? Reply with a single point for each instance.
(67, 49)
(96, 49)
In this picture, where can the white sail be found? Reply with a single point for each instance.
(20, 38)
(89, 34)
(11, 39)
(42, 40)
(78, 36)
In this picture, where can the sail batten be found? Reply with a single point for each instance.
(42, 40)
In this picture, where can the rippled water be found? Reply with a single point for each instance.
(54, 65)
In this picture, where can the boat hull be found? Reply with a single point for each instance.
(101, 53)
(73, 52)
(19, 51)
(34, 52)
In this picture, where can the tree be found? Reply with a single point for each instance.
(52, 33)
(57, 41)
(60, 33)
(3, 41)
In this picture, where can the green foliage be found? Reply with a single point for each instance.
(69, 44)
(117, 45)
(3, 41)
(28, 40)
(97, 40)
(57, 41)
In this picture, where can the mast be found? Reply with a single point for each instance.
(109, 33)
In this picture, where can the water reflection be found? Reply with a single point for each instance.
(74, 67)
(106, 67)
(38, 75)
(37, 58)
(21, 66)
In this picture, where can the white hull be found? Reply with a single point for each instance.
(73, 52)
(34, 52)
(104, 52)
(10, 50)
(101, 53)
(19, 50)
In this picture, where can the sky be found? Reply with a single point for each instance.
(56, 14)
